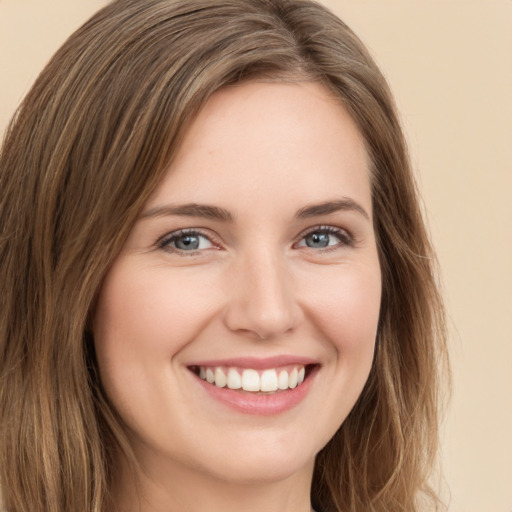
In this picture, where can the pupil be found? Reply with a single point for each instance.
(187, 242)
(317, 240)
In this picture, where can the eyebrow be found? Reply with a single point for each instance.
(223, 215)
(343, 204)
(190, 210)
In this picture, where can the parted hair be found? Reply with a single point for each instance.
(90, 142)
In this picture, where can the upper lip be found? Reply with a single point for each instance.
(257, 363)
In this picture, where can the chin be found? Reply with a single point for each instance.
(267, 461)
(264, 470)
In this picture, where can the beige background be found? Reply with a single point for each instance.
(449, 63)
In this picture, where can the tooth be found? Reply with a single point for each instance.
(234, 379)
(292, 381)
(283, 380)
(250, 380)
(220, 378)
(269, 380)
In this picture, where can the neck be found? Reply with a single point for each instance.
(175, 489)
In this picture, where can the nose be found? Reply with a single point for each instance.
(262, 298)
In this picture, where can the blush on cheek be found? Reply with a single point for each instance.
(348, 312)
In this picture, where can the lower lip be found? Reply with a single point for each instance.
(260, 404)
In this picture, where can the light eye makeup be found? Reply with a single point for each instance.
(187, 242)
(325, 238)
(193, 241)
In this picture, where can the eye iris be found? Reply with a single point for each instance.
(317, 240)
(187, 242)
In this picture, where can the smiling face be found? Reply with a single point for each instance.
(236, 329)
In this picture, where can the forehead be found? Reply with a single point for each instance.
(257, 138)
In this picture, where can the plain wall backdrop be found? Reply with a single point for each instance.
(449, 63)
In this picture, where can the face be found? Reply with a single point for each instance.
(236, 329)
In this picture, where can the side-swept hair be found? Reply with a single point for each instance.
(90, 142)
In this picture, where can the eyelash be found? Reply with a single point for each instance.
(346, 240)
(166, 240)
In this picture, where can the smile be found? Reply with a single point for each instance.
(270, 380)
(257, 386)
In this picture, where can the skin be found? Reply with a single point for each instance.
(262, 152)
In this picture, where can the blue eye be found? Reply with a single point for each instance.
(325, 237)
(185, 241)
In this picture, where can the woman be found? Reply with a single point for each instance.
(218, 288)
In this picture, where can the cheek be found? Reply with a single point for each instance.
(346, 314)
(346, 309)
(143, 319)
(151, 312)
(345, 306)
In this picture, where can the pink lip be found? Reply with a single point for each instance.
(257, 404)
(257, 363)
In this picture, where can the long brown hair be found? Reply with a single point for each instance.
(88, 145)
